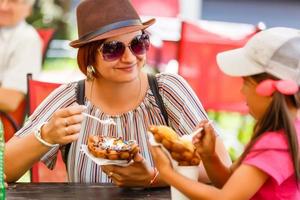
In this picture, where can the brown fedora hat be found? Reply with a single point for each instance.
(101, 19)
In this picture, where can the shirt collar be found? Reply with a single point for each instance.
(7, 32)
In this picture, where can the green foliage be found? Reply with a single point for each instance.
(235, 130)
(52, 14)
(54, 64)
(246, 129)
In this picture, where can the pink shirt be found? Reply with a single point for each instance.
(270, 154)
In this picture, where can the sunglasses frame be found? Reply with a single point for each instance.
(137, 37)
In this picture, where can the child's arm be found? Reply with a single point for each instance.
(243, 183)
(217, 172)
(206, 143)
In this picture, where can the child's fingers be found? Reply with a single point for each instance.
(157, 153)
(153, 151)
(209, 131)
(197, 138)
(201, 124)
(205, 134)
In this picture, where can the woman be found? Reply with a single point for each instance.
(115, 88)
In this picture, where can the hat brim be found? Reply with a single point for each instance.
(237, 63)
(113, 33)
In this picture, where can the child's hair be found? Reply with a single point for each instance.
(278, 117)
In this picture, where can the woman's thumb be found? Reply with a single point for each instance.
(138, 158)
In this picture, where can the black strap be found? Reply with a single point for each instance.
(113, 26)
(80, 94)
(154, 88)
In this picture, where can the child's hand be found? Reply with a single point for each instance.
(162, 162)
(205, 140)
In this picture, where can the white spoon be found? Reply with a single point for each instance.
(107, 121)
(190, 136)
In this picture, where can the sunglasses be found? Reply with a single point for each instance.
(114, 50)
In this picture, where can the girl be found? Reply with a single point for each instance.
(269, 166)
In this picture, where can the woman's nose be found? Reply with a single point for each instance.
(128, 56)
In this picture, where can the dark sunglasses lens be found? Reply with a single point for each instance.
(140, 44)
(112, 50)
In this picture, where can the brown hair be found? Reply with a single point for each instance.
(278, 117)
(87, 55)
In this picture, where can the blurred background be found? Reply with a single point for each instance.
(211, 26)
(185, 40)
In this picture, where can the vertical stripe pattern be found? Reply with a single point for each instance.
(183, 107)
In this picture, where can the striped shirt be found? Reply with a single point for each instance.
(182, 105)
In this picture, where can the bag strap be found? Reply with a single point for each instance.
(154, 89)
(80, 94)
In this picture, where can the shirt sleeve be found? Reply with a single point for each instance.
(184, 109)
(272, 159)
(61, 97)
(26, 58)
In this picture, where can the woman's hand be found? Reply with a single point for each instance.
(162, 162)
(205, 141)
(64, 125)
(138, 174)
(5, 184)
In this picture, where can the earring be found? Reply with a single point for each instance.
(90, 72)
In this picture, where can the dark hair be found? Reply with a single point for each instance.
(87, 55)
(278, 117)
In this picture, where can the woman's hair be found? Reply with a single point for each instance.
(278, 117)
(87, 55)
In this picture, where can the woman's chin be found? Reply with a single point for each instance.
(128, 77)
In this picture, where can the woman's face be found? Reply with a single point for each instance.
(124, 69)
(257, 104)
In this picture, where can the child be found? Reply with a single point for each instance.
(269, 168)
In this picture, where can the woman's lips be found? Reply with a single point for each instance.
(126, 69)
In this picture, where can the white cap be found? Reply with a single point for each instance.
(275, 51)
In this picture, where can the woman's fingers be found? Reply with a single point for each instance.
(64, 125)
(107, 168)
(5, 184)
(74, 119)
(113, 173)
(70, 130)
(138, 158)
(70, 138)
(69, 111)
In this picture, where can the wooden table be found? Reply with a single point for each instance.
(20, 191)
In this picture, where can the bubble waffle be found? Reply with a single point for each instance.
(112, 148)
(181, 150)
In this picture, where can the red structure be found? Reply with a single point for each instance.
(37, 92)
(197, 64)
(165, 8)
